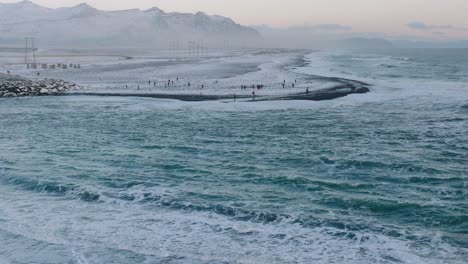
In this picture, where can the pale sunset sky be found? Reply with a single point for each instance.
(443, 18)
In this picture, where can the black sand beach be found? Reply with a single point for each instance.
(318, 95)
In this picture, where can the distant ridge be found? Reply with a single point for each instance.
(84, 25)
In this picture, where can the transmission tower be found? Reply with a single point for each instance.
(26, 51)
(29, 41)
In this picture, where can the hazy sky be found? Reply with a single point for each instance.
(437, 18)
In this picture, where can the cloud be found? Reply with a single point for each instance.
(308, 28)
(439, 33)
(332, 27)
(423, 26)
(321, 28)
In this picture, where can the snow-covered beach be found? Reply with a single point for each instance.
(267, 74)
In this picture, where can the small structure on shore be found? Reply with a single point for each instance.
(54, 66)
(31, 66)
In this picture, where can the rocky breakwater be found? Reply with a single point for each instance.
(15, 86)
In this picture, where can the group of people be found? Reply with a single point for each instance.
(261, 86)
(292, 85)
(257, 86)
(168, 84)
(171, 82)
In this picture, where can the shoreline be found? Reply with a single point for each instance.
(317, 95)
(218, 79)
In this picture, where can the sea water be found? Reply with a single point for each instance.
(374, 178)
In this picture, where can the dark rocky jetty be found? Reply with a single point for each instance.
(16, 86)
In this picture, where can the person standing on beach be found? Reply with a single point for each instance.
(307, 90)
(253, 95)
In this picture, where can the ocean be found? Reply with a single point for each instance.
(380, 177)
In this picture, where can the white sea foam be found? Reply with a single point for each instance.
(201, 236)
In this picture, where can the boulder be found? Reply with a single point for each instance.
(22, 87)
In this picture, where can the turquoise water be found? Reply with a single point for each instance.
(375, 178)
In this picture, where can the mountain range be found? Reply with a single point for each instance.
(86, 26)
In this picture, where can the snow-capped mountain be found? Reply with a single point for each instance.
(83, 25)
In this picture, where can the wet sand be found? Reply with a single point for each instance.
(318, 95)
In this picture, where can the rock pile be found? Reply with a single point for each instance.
(23, 87)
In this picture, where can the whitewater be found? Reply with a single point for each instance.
(379, 177)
